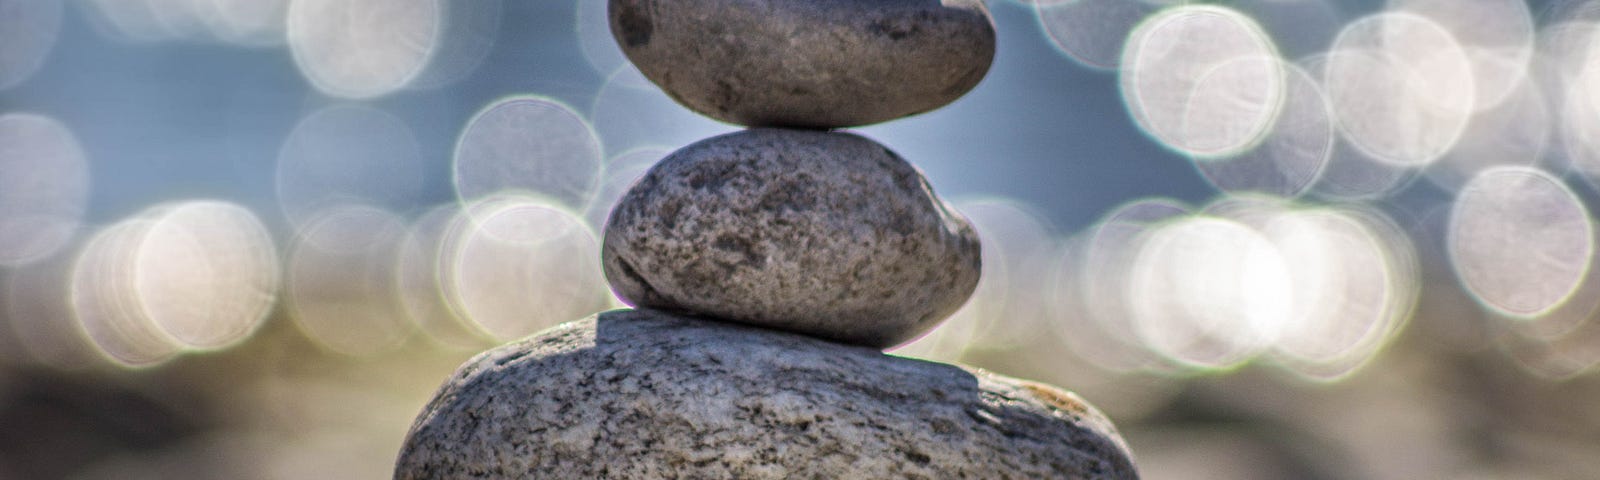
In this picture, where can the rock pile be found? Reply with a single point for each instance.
(770, 267)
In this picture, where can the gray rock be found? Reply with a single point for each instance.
(642, 394)
(808, 63)
(826, 234)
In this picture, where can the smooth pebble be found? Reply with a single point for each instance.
(808, 63)
(820, 233)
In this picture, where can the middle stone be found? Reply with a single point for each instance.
(820, 233)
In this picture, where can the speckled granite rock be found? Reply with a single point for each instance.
(826, 234)
(642, 394)
(808, 63)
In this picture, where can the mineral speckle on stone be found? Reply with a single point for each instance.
(643, 394)
(826, 234)
(808, 63)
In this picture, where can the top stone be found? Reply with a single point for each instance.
(808, 63)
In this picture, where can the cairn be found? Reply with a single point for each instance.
(770, 267)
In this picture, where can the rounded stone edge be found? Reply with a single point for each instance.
(632, 30)
(637, 290)
(1020, 404)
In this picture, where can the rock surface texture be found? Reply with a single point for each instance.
(642, 394)
(826, 234)
(808, 63)
(775, 264)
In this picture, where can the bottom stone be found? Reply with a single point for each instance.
(644, 394)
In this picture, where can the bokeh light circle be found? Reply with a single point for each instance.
(1351, 294)
(1498, 36)
(1520, 240)
(347, 154)
(146, 20)
(28, 31)
(1515, 131)
(1291, 157)
(468, 31)
(418, 278)
(44, 187)
(363, 48)
(1016, 235)
(36, 302)
(1401, 87)
(1101, 279)
(1210, 98)
(531, 145)
(106, 303)
(1352, 174)
(1576, 86)
(339, 284)
(254, 23)
(517, 265)
(1207, 292)
(1091, 32)
(1578, 313)
(206, 273)
(197, 275)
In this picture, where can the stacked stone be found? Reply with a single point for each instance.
(770, 267)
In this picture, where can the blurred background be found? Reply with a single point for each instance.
(1307, 239)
